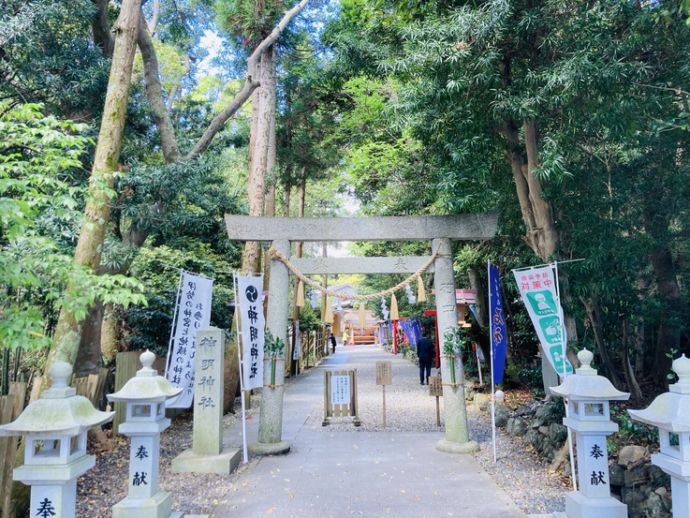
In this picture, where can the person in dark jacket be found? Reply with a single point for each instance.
(425, 353)
(331, 339)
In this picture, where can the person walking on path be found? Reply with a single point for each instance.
(425, 353)
(331, 339)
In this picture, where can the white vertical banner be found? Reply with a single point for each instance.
(193, 311)
(539, 290)
(252, 324)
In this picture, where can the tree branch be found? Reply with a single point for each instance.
(100, 27)
(154, 93)
(250, 83)
(153, 23)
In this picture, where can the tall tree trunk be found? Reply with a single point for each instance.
(271, 149)
(154, 93)
(477, 285)
(269, 83)
(98, 205)
(542, 235)
(301, 198)
(656, 220)
(593, 313)
(668, 333)
(630, 379)
(110, 334)
(287, 191)
(537, 214)
(101, 28)
(258, 159)
(298, 253)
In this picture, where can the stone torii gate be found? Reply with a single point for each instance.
(439, 229)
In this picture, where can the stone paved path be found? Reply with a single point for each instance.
(347, 472)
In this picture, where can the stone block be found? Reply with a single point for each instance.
(502, 416)
(658, 477)
(516, 426)
(631, 454)
(158, 506)
(616, 474)
(579, 506)
(637, 475)
(482, 401)
(222, 464)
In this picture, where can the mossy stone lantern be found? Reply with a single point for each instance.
(144, 396)
(54, 429)
(670, 413)
(588, 396)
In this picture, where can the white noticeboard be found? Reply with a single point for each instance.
(340, 390)
(193, 311)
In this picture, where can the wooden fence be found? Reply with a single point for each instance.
(11, 406)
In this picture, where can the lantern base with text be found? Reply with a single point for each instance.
(588, 396)
(54, 429)
(144, 396)
(669, 413)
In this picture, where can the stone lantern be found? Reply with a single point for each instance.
(144, 396)
(55, 429)
(588, 396)
(670, 412)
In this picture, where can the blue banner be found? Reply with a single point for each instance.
(497, 325)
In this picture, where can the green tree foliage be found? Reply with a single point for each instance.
(604, 84)
(47, 55)
(39, 156)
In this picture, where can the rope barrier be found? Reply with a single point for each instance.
(275, 254)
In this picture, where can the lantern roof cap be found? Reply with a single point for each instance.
(587, 385)
(147, 385)
(58, 411)
(670, 410)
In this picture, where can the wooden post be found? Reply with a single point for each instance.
(11, 406)
(126, 366)
(436, 390)
(383, 378)
(384, 405)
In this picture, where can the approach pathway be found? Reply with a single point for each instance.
(340, 471)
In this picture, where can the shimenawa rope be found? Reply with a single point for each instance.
(275, 254)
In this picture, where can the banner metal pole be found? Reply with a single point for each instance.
(564, 341)
(174, 322)
(491, 348)
(245, 456)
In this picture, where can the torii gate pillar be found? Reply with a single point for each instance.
(271, 425)
(456, 439)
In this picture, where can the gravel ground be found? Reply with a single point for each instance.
(195, 493)
(518, 470)
(409, 408)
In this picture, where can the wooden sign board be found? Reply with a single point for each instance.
(383, 373)
(435, 387)
(340, 396)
